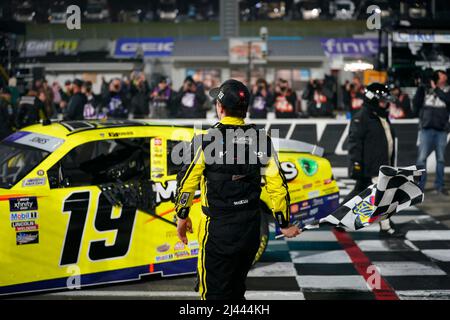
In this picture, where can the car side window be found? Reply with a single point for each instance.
(104, 161)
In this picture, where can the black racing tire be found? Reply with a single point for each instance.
(264, 235)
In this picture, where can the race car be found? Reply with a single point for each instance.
(88, 202)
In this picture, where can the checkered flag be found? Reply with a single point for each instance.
(395, 190)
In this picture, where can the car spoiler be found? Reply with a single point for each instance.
(289, 145)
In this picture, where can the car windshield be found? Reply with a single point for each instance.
(16, 161)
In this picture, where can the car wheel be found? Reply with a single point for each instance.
(264, 235)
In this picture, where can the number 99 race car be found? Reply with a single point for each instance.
(95, 199)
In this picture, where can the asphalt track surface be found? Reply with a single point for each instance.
(326, 263)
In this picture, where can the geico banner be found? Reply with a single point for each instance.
(154, 47)
(332, 136)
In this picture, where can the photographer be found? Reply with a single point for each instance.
(161, 98)
(190, 100)
(319, 99)
(432, 105)
(260, 100)
(354, 95)
(400, 107)
(285, 102)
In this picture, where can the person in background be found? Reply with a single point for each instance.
(57, 96)
(285, 100)
(354, 95)
(48, 102)
(400, 106)
(31, 110)
(116, 103)
(319, 99)
(161, 100)
(66, 93)
(91, 107)
(432, 105)
(75, 107)
(190, 100)
(139, 102)
(371, 144)
(5, 116)
(261, 100)
(12, 88)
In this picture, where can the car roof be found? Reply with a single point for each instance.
(63, 129)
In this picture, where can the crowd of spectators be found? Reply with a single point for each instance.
(134, 97)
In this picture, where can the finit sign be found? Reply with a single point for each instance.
(349, 46)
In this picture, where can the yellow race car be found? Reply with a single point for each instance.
(85, 203)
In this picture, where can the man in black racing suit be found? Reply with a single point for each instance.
(230, 184)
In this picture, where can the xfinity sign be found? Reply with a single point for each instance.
(148, 47)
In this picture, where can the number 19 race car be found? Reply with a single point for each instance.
(95, 200)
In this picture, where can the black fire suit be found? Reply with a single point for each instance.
(230, 223)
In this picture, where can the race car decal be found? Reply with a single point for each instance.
(36, 140)
(289, 169)
(308, 166)
(77, 205)
(23, 204)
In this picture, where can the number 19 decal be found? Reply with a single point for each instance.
(77, 205)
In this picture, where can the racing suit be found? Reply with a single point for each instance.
(229, 231)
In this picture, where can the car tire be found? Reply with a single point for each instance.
(264, 235)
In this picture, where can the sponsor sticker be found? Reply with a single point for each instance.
(23, 224)
(164, 257)
(335, 196)
(317, 202)
(23, 204)
(33, 182)
(294, 208)
(22, 216)
(184, 198)
(40, 172)
(307, 186)
(193, 244)
(27, 237)
(119, 134)
(179, 246)
(163, 248)
(27, 228)
(181, 254)
(313, 194)
(194, 251)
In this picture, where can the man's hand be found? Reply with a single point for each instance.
(291, 231)
(182, 226)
